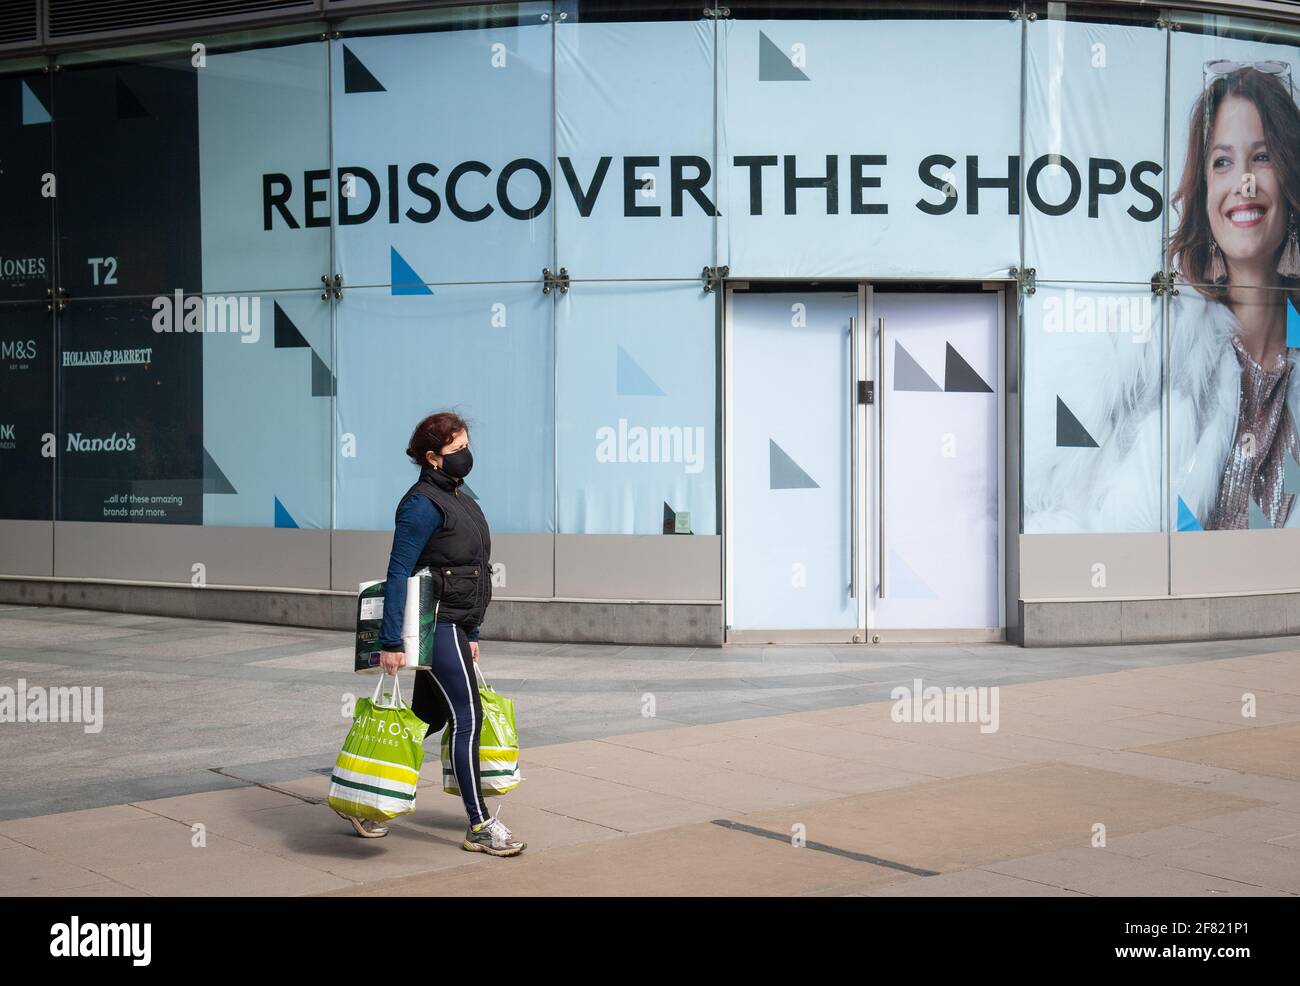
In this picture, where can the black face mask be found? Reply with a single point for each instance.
(458, 464)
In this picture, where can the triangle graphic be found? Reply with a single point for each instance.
(774, 65)
(464, 488)
(1255, 519)
(1186, 519)
(356, 77)
(214, 480)
(282, 518)
(129, 106)
(904, 583)
(403, 276)
(632, 380)
(670, 519)
(959, 377)
(322, 380)
(1069, 432)
(287, 335)
(908, 374)
(1292, 325)
(1290, 475)
(784, 473)
(34, 110)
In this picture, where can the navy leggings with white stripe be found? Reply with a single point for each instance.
(449, 693)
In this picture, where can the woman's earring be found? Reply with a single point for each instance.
(1217, 269)
(1289, 264)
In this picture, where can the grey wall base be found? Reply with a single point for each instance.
(667, 624)
(1141, 621)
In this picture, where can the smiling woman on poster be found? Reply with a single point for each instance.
(1233, 382)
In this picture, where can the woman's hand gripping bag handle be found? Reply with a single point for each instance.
(378, 769)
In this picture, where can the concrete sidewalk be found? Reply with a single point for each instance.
(1195, 799)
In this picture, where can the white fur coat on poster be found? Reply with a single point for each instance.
(1114, 389)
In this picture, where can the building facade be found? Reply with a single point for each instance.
(798, 322)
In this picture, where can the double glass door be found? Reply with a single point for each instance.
(864, 462)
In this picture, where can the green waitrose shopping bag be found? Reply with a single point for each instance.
(498, 749)
(379, 766)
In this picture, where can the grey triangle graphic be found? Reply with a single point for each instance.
(774, 65)
(784, 473)
(464, 488)
(959, 377)
(908, 374)
(322, 380)
(1069, 432)
(214, 480)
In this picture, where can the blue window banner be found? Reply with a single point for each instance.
(268, 391)
(481, 350)
(263, 120)
(429, 189)
(636, 193)
(886, 148)
(636, 409)
(1094, 448)
(1094, 150)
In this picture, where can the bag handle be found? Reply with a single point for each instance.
(478, 672)
(397, 692)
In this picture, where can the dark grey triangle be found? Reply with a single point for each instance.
(287, 335)
(214, 480)
(464, 488)
(1069, 432)
(356, 77)
(670, 519)
(784, 473)
(322, 380)
(774, 65)
(908, 374)
(959, 377)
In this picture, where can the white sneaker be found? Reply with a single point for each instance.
(494, 839)
(364, 827)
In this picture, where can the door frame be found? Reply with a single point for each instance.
(868, 452)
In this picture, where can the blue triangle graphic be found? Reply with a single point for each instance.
(1255, 519)
(1186, 519)
(282, 518)
(403, 276)
(34, 110)
(1292, 325)
(904, 583)
(632, 380)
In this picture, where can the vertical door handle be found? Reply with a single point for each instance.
(853, 458)
(880, 447)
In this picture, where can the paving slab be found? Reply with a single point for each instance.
(1271, 750)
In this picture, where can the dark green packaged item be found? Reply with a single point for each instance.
(417, 624)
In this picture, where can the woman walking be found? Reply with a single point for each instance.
(438, 526)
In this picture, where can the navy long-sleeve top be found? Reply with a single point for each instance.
(418, 517)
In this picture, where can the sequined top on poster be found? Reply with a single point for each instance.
(1255, 469)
